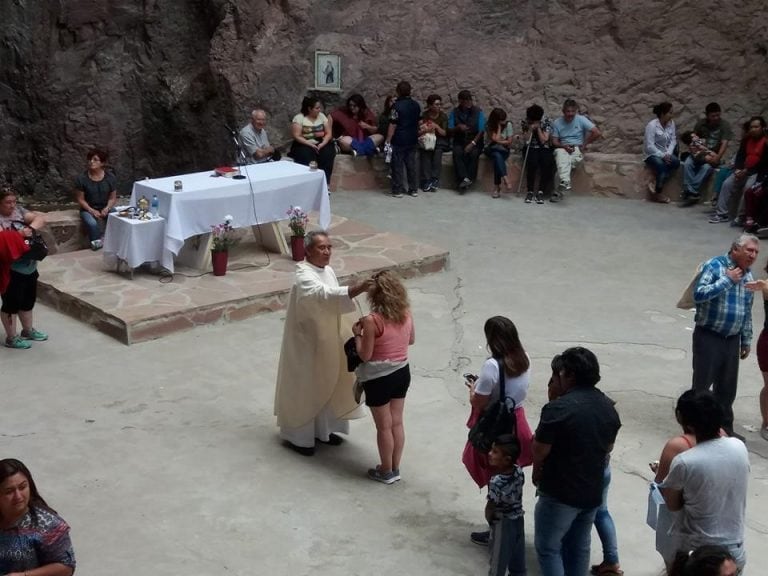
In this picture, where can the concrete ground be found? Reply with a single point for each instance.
(164, 457)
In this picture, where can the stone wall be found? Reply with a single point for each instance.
(154, 81)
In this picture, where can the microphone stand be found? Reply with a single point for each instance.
(240, 159)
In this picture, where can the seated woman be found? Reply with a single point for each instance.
(659, 148)
(434, 122)
(499, 140)
(382, 339)
(312, 134)
(537, 154)
(33, 537)
(96, 194)
(506, 350)
(355, 128)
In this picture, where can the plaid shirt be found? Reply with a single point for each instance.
(721, 305)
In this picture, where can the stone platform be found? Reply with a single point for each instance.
(82, 285)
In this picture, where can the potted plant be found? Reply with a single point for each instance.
(297, 221)
(223, 238)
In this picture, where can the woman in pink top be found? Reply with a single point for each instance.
(382, 339)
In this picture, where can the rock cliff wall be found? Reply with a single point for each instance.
(154, 81)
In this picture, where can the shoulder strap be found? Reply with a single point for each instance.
(502, 391)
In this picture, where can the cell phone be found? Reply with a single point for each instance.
(470, 377)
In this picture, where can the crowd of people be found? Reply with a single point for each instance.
(577, 429)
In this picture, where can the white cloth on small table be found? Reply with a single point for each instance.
(135, 241)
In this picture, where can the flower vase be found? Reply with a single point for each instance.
(297, 248)
(219, 260)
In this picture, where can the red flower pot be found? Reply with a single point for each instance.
(297, 248)
(219, 260)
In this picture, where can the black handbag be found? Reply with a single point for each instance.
(353, 359)
(497, 419)
(38, 249)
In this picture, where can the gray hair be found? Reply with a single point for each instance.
(743, 239)
(309, 237)
(256, 111)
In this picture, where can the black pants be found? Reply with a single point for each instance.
(404, 166)
(465, 163)
(716, 366)
(430, 163)
(303, 154)
(540, 162)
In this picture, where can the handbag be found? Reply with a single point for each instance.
(353, 358)
(38, 249)
(427, 141)
(686, 301)
(497, 419)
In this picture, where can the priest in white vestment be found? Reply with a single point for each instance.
(314, 397)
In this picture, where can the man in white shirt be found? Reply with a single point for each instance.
(255, 140)
(314, 396)
(571, 133)
(708, 483)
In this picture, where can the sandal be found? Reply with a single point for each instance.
(496, 194)
(660, 198)
(605, 570)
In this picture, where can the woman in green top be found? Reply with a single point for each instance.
(312, 134)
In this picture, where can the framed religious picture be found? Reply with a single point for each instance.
(327, 71)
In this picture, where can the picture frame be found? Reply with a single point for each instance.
(327, 71)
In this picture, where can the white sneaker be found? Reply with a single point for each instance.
(96, 245)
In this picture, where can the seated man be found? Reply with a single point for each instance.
(466, 124)
(750, 165)
(255, 140)
(716, 134)
(571, 134)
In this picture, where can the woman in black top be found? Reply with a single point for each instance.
(96, 193)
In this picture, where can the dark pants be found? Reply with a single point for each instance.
(465, 163)
(507, 547)
(404, 166)
(430, 163)
(716, 365)
(540, 162)
(303, 154)
(499, 156)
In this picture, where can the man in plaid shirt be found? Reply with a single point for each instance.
(723, 332)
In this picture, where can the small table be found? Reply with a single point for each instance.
(135, 242)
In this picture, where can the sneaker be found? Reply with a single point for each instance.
(35, 335)
(383, 477)
(464, 184)
(556, 196)
(396, 194)
(539, 197)
(764, 432)
(434, 185)
(738, 222)
(529, 197)
(413, 193)
(96, 245)
(18, 343)
(480, 538)
(719, 218)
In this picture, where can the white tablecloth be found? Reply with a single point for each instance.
(135, 241)
(265, 196)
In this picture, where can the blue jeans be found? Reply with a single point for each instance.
(662, 170)
(499, 156)
(694, 176)
(606, 529)
(92, 225)
(562, 536)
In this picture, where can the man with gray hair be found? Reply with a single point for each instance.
(314, 395)
(255, 140)
(723, 332)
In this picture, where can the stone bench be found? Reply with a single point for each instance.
(621, 175)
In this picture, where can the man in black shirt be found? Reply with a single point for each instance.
(403, 137)
(575, 434)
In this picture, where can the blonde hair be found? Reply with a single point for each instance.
(389, 297)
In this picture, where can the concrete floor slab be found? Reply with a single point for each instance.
(164, 457)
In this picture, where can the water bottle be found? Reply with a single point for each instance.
(153, 206)
(387, 153)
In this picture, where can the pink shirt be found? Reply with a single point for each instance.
(391, 342)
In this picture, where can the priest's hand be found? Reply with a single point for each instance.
(359, 287)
